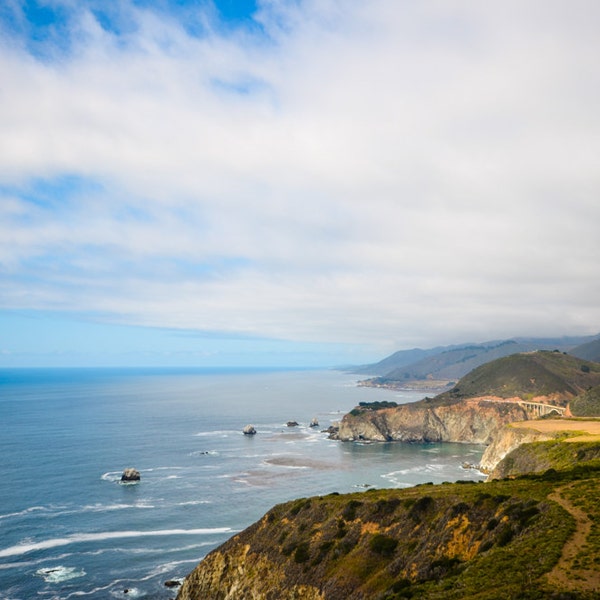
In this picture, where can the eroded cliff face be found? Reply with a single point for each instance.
(505, 441)
(235, 572)
(474, 421)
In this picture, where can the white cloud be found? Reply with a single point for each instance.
(388, 172)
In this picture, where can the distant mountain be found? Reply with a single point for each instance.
(588, 351)
(397, 360)
(453, 362)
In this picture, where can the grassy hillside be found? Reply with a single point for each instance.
(542, 456)
(528, 375)
(499, 540)
(587, 404)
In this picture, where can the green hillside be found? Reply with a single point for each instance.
(587, 404)
(528, 375)
(499, 540)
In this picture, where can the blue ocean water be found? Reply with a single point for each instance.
(70, 529)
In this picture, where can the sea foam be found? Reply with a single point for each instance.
(59, 574)
(108, 535)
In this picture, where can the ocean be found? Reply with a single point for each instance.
(70, 529)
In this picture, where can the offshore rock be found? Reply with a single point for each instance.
(314, 422)
(130, 474)
(292, 423)
(249, 430)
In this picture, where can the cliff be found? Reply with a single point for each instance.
(502, 539)
(513, 388)
(540, 445)
(505, 441)
(474, 421)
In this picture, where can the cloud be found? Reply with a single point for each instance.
(383, 173)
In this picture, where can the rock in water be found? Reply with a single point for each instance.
(130, 474)
(292, 424)
(249, 430)
(314, 422)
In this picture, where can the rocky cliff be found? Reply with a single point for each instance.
(519, 450)
(519, 387)
(505, 441)
(474, 421)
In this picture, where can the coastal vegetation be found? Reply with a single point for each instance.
(587, 404)
(503, 539)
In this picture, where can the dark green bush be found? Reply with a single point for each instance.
(349, 512)
(383, 544)
(301, 554)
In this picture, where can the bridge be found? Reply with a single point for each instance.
(534, 409)
(540, 410)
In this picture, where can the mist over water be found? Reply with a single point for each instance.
(69, 528)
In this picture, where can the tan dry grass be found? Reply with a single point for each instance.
(588, 430)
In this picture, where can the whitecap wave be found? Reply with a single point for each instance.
(111, 507)
(59, 574)
(23, 548)
(127, 593)
(162, 469)
(218, 433)
(24, 512)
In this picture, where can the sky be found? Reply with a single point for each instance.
(294, 182)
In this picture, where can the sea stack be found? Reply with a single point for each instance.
(249, 430)
(314, 422)
(130, 474)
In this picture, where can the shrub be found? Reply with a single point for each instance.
(383, 544)
(301, 554)
(421, 506)
(349, 512)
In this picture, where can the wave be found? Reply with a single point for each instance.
(115, 476)
(429, 468)
(61, 511)
(76, 538)
(24, 512)
(59, 574)
(161, 469)
(218, 433)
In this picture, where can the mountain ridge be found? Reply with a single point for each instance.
(448, 363)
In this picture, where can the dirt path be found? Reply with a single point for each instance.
(566, 573)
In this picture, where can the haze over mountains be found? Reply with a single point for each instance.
(452, 362)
